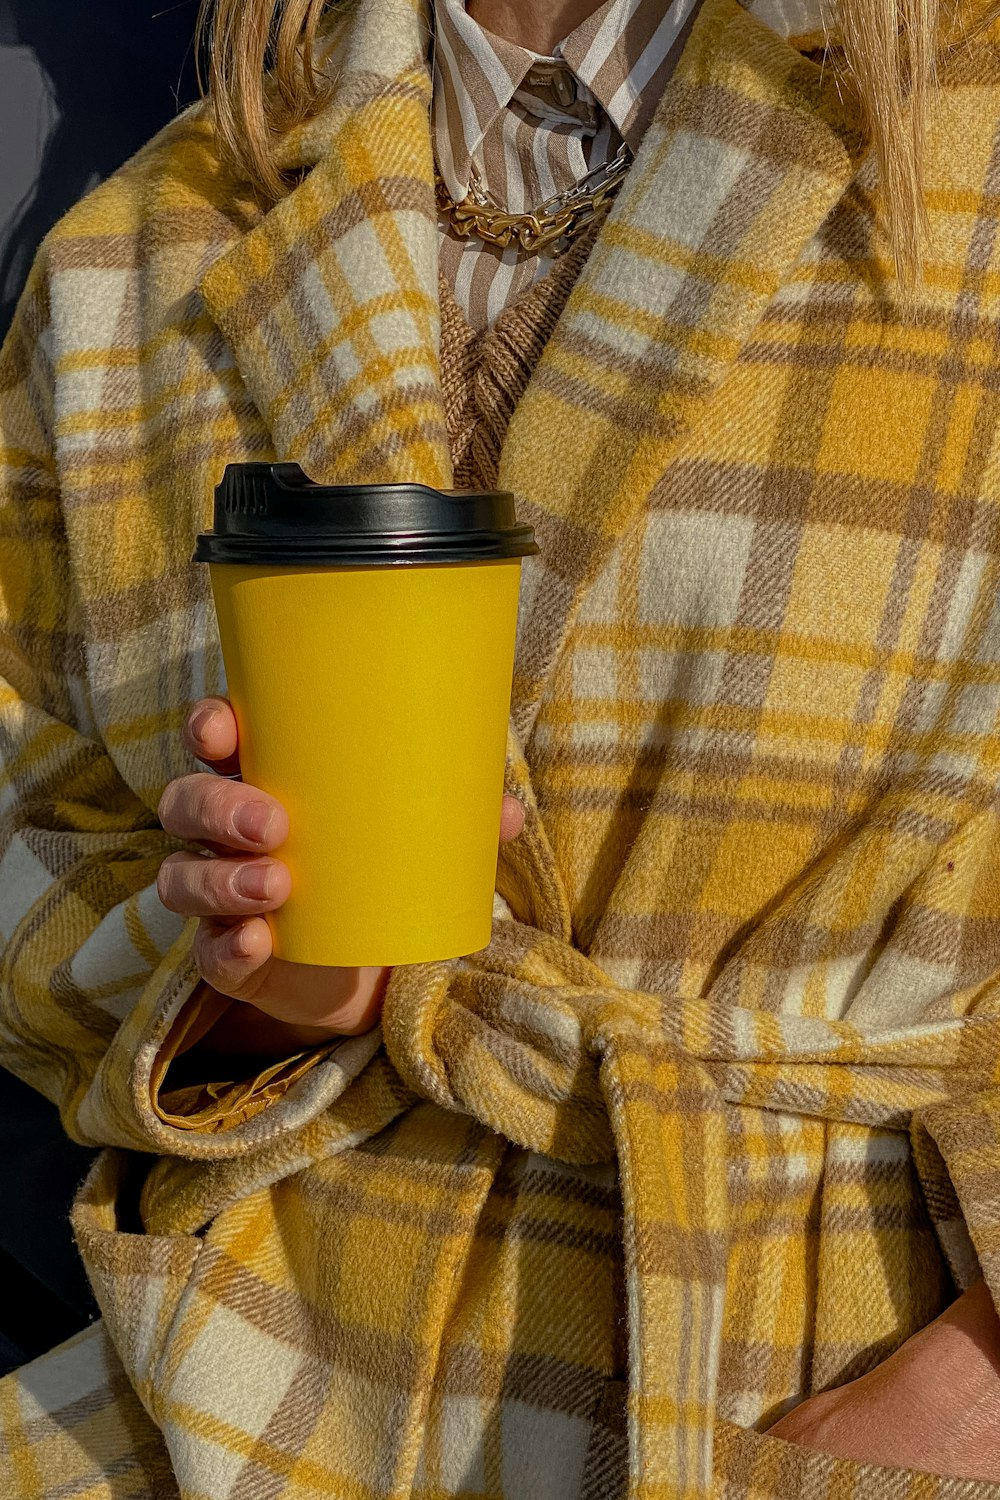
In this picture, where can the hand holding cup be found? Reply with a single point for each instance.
(368, 634)
(239, 827)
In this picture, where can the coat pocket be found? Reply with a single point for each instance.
(138, 1279)
(755, 1466)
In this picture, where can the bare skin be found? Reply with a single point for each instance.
(933, 1405)
(279, 1004)
(539, 26)
(936, 1403)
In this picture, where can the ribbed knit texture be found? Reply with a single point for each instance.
(485, 374)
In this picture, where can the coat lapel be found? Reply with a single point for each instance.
(749, 150)
(330, 301)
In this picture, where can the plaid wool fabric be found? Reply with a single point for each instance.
(714, 1121)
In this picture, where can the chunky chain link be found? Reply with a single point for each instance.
(559, 218)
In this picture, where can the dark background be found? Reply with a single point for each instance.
(83, 84)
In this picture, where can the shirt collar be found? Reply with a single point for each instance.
(617, 54)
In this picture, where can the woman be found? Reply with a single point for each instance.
(684, 1186)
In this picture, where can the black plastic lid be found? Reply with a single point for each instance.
(273, 513)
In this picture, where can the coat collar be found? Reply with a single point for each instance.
(330, 301)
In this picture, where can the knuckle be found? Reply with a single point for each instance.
(206, 956)
(167, 806)
(200, 806)
(215, 807)
(250, 983)
(199, 951)
(165, 882)
(242, 979)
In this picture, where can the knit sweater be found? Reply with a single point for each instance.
(713, 1122)
(485, 373)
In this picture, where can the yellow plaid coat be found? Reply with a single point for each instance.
(714, 1121)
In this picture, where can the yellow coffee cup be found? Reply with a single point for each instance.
(368, 636)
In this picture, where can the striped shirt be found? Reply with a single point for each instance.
(527, 127)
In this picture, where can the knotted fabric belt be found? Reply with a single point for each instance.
(538, 1044)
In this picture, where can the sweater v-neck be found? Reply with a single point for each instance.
(485, 373)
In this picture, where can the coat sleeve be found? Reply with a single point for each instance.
(94, 972)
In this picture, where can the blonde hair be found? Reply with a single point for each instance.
(263, 80)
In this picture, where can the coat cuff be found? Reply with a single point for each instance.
(223, 1096)
(129, 1102)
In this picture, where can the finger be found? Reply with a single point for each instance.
(511, 819)
(233, 959)
(197, 887)
(211, 734)
(227, 814)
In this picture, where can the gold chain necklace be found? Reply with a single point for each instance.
(560, 218)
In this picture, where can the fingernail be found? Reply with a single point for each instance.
(253, 821)
(254, 881)
(201, 721)
(237, 943)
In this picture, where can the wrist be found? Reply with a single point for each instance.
(944, 1383)
(933, 1405)
(243, 1030)
(958, 1355)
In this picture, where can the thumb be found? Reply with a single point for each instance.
(511, 819)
